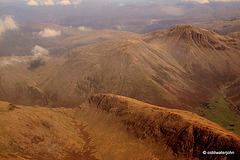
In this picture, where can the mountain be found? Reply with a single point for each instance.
(110, 127)
(185, 67)
(223, 27)
(159, 67)
(235, 35)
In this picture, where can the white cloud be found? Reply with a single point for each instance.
(7, 23)
(47, 32)
(52, 2)
(199, 1)
(224, 0)
(152, 21)
(64, 2)
(172, 10)
(77, 2)
(48, 3)
(121, 4)
(39, 51)
(32, 3)
(5, 61)
(120, 27)
(40, 2)
(208, 1)
(84, 29)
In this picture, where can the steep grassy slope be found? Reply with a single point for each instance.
(17, 83)
(177, 68)
(182, 132)
(109, 127)
(42, 133)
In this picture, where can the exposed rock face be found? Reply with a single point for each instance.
(200, 37)
(186, 133)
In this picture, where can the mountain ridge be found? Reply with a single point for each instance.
(185, 132)
(109, 126)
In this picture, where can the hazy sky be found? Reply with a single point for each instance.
(113, 14)
(75, 2)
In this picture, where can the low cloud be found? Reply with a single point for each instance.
(208, 1)
(40, 2)
(224, 0)
(77, 2)
(64, 2)
(5, 61)
(172, 10)
(152, 21)
(32, 3)
(7, 23)
(52, 2)
(121, 4)
(119, 27)
(84, 29)
(39, 51)
(48, 3)
(47, 32)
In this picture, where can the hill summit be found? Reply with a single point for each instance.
(198, 36)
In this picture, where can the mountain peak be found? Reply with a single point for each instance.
(198, 36)
(189, 31)
(185, 26)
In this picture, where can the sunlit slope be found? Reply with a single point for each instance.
(42, 133)
(17, 82)
(109, 127)
(183, 133)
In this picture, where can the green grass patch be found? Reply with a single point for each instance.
(218, 111)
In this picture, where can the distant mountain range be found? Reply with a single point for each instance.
(139, 17)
